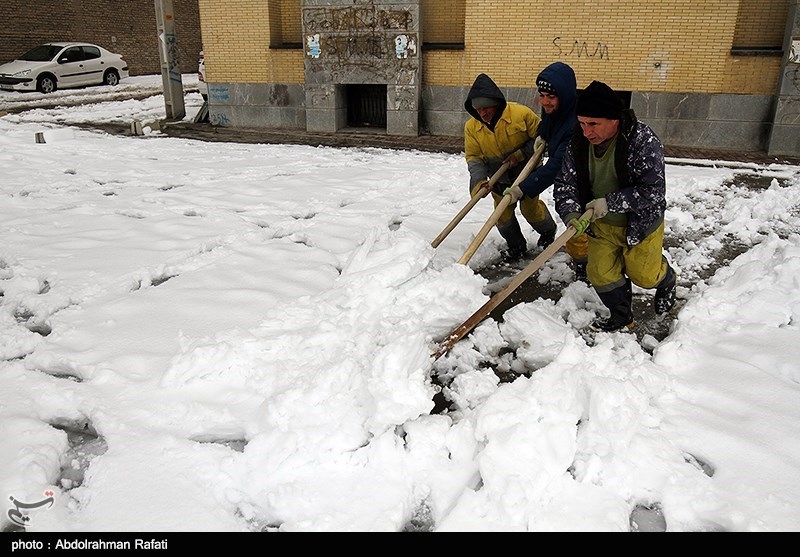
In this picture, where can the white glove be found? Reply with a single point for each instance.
(515, 193)
(600, 207)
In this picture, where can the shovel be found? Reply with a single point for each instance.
(480, 194)
(498, 298)
(505, 202)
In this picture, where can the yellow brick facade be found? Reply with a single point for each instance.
(657, 45)
(237, 36)
(705, 74)
(663, 45)
(760, 23)
(443, 21)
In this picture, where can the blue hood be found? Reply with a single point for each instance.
(562, 77)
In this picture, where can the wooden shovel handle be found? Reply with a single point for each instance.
(480, 194)
(498, 298)
(504, 203)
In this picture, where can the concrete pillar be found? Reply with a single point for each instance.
(170, 67)
(362, 42)
(785, 135)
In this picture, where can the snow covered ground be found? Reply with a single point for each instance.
(231, 337)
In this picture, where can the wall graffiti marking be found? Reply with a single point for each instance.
(579, 49)
(334, 20)
(171, 46)
(220, 120)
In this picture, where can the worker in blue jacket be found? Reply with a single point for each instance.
(557, 89)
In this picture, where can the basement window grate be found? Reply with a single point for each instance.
(366, 106)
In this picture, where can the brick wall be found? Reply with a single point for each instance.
(705, 74)
(127, 27)
(659, 46)
(761, 23)
(443, 21)
(238, 41)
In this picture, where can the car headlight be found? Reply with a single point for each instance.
(23, 73)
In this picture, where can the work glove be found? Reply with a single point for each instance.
(483, 184)
(580, 225)
(515, 192)
(538, 142)
(599, 206)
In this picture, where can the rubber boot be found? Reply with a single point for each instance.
(580, 271)
(546, 229)
(618, 302)
(664, 299)
(512, 234)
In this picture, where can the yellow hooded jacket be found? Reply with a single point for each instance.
(486, 146)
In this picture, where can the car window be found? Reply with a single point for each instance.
(91, 52)
(41, 53)
(72, 54)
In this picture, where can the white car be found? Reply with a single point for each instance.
(201, 76)
(52, 66)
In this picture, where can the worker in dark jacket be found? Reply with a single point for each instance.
(498, 132)
(558, 96)
(614, 165)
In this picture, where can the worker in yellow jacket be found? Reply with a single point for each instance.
(502, 131)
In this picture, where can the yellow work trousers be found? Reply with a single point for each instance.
(611, 259)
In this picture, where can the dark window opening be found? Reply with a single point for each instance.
(442, 46)
(756, 51)
(366, 106)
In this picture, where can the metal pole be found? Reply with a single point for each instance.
(168, 54)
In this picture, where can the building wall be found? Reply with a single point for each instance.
(355, 45)
(663, 45)
(703, 73)
(128, 28)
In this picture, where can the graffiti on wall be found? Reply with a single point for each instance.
(580, 49)
(349, 18)
(218, 119)
(347, 47)
(368, 32)
(171, 55)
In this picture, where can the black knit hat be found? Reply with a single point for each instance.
(545, 86)
(598, 100)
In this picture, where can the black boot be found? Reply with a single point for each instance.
(547, 231)
(618, 301)
(517, 245)
(664, 300)
(580, 272)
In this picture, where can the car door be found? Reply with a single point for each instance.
(93, 65)
(70, 70)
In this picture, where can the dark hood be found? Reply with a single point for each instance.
(563, 79)
(485, 87)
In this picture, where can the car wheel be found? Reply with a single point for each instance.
(46, 84)
(111, 78)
